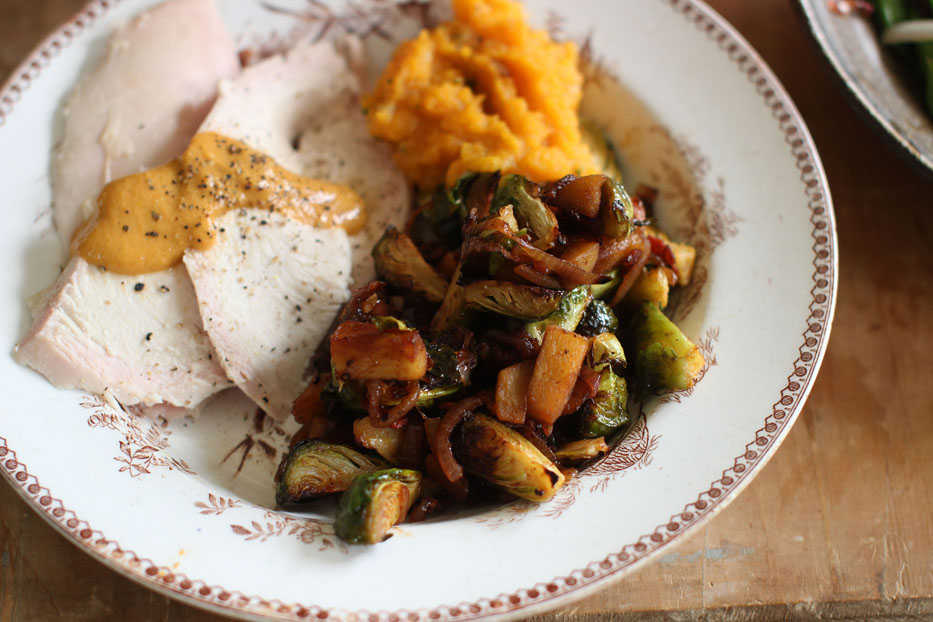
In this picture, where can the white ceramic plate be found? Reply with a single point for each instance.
(701, 117)
(874, 79)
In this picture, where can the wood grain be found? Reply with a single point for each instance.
(839, 524)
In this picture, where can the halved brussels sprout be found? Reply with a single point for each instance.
(598, 318)
(608, 411)
(568, 314)
(313, 469)
(606, 351)
(374, 503)
(530, 212)
(665, 360)
(399, 261)
(616, 210)
(582, 451)
(504, 457)
(526, 302)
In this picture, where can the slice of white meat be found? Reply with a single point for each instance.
(141, 105)
(268, 290)
(130, 336)
(310, 99)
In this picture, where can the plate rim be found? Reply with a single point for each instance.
(579, 582)
(866, 103)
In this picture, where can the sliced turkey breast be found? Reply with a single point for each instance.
(136, 337)
(141, 105)
(310, 98)
(268, 291)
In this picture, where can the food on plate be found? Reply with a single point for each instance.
(483, 92)
(186, 197)
(255, 295)
(158, 352)
(907, 26)
(530, 374)
(446, 282)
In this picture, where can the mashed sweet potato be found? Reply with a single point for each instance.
(483, 92)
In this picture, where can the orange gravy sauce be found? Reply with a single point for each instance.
(145, 222)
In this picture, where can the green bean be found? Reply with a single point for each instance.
(890, 12)
(925, 54)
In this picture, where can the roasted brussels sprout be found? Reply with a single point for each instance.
(374, 503)
(529, 211)
(525, 302)
(602, 148)
(400, 446)
(651, 286)
(616, 210)
(314, 468)
(567, 315)
(449, 367)
(582, 451)
(598, 318)
(608, 411)
(399, 262)
(664, 359)
(504, 457)
(606, 351)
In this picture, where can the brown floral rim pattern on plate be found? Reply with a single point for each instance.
(775, 426)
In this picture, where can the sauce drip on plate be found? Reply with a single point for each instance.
(145, 222)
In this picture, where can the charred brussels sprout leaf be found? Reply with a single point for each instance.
(374, 503)
(608, 411)
(531, 213)
(398, 261)
(665, 360)
(504, 457)
(439, 223)
(587, 449)
(525, 302)
(567, 315)
(598, 318)
(314, 468)
(602, 290)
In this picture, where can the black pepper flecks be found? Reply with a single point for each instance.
(148, 336)
(139, 287)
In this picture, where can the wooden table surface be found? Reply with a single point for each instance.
(838, 525)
